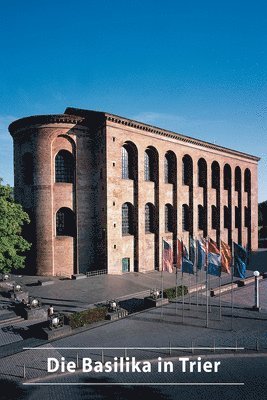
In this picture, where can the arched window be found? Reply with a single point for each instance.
(149, 165)
(127, 219)
(237, 217)
(215, 175)
(227, 176)
(185, 217)
(125, 163)
(65, 222)
(187, 170)
(247, 183)
(149, 218)
(201, 217)
(214, 217)
(170, 167)
(227, 217)
(27, 168)
(247, 217)
(202, 173)
(64, 167)
(127, 160)
(168, 218)
(237, 179)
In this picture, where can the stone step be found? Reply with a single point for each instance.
(78, 276)
(11, 320)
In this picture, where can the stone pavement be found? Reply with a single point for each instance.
(148, 335)
(181, 324)
(77, 295)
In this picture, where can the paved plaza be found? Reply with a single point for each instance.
(179, 329)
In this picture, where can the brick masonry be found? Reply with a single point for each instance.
(95, 140)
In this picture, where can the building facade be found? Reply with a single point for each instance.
(102, 191)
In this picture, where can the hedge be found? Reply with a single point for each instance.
(87, 317)
(170, 293)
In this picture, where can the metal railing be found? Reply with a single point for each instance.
(95, 273)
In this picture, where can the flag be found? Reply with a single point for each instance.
(201, 253)
(179, 253)
(167, 258)
(192, 250)
(187, 265)
(240, 261)
(226, 257)
(214, 259)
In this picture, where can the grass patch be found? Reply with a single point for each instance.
(170, 293)
(87, 317)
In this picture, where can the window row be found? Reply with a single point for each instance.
(151, 161)
(65, 169)
(187, 218)
(66, 225)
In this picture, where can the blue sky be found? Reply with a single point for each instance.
(195, 67)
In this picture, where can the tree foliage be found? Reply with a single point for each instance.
(12, 219)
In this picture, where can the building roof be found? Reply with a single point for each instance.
(154, 129)
(96, 118)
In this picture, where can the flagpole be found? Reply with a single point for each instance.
(189, 292)
(220, 303)
(196, 260)
(232, 287)
(176, 289)
(182, 245)
(162, 278)
(207, 301)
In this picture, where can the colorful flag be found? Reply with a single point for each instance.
(179, 253)
(226, 257)
(192, 250)
(167, 258)
(214, 259)
(240, 261)
(187, 264)
(201, 253)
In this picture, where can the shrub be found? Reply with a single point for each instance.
(170, 293)
(87, 317)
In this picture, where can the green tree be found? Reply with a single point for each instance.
(12, 219)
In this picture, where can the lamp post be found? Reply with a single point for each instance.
(256, 307)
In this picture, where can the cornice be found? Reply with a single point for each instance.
(27, 122)
(177, 136)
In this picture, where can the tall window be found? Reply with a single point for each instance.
(185, 217)
(214, 217)
(237, 217)
(247, 217)
(149, 218)
(247, 180)
(27, 168)
(227, 177)
(65, 222)
(127, 219)
(215, 175)
(201, 217)
(168, 218)
(227, 217)
(202, 172)
(170, 167)
(125, 163)
(64, 167)
(237, 179)
(149, 165)
(187, 170)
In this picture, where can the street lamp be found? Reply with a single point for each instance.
(256, 307)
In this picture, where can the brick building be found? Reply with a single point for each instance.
(102, 191)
